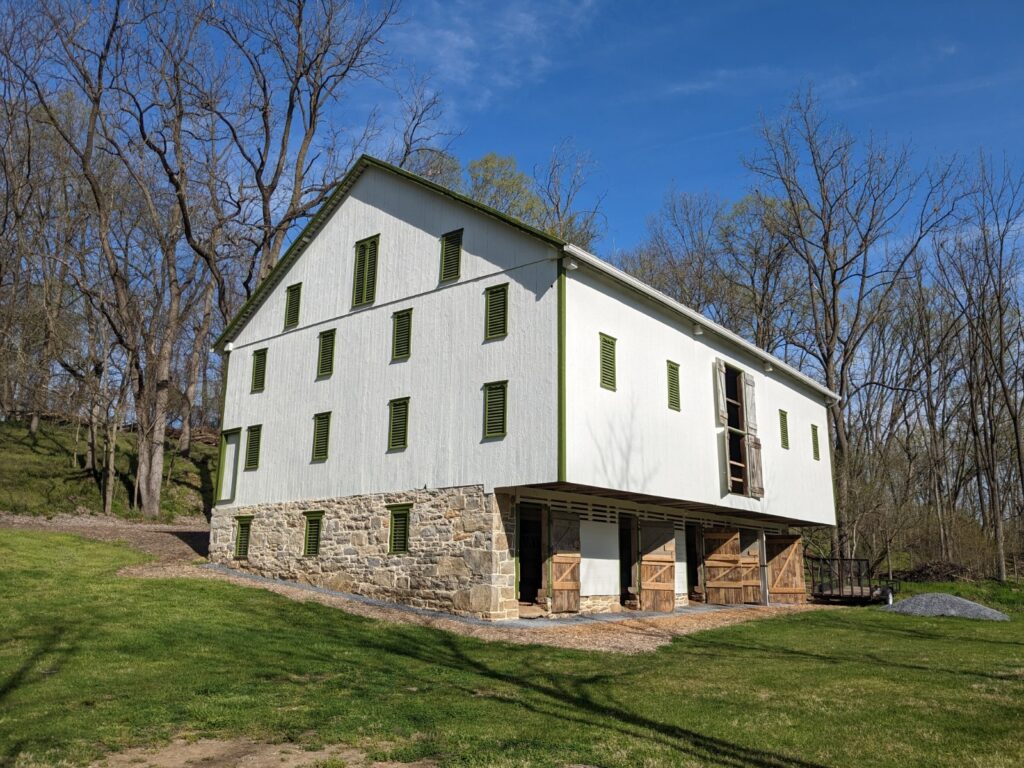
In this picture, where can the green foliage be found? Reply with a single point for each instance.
(496, 180)
(46, 476)
(92, 662)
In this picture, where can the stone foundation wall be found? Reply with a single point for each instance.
(682, 600)
(459, 557)
(600, 604)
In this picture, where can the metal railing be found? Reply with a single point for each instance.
(847, 579)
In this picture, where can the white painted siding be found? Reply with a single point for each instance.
(599, 558)
(682, 588)
(630, 440)
(449, 364)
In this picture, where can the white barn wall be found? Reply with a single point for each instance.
(449, 364)
(599, 558)
(630, 440)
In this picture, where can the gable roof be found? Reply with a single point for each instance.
(323, 214)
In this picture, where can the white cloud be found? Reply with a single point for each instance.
(476, 51)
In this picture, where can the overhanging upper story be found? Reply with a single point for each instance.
(366, 329)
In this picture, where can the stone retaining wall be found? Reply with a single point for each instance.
(459, 557)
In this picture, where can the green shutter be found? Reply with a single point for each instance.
(607, 362)
(364, 280)
(314, 527)
(399, 538)
(398, 424)
(815, 448)
(243, 528)
(673, 386)
(401, 334)
(784, 428)
(321, 435)
(252, 446)
(496, 311)
(451, 255)
(325, 356)
(495, 407)
(259, 370)
(292, 299)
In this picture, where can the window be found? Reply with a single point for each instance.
(292, 298)
(364, 281)
(607, 362)
(401, 335)
(496, 312)
(784, 428)
(398, 424)
(259, 370)
(734, 408)
(673, 385)
(815, 448)
(321, 435)
(252, 446)
(314, 527)
(451, 255)
(399, 539)
(495, 407)
(325, 354)
(243, 525)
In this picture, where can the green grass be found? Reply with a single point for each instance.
(92, 662)
(42, 477)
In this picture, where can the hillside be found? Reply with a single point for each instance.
(45, 476)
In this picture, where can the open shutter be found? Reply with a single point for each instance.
(755, 475)
(359, 275)
(723, 410)
(451, 255)
(371, 270)
(749, 413)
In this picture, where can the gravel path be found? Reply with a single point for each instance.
(179, 550)
(942, 604)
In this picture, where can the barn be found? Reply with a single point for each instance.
(431, 403)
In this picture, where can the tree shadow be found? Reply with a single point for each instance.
(198, 541)
(572, 700)
(206, 485)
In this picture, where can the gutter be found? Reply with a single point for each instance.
(700, 322)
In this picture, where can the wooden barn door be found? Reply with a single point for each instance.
(565, 563)
(723, 580)
(657, 567)
(785, 558)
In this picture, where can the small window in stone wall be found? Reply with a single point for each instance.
(314, 527)
(244, 526)
(399, 539)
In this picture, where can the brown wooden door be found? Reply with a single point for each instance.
(731, 577)
(657, 568)
(785, 556)
(565, 563)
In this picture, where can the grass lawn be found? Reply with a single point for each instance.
(41, 476)
(90, 662)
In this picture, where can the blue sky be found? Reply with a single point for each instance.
(670, 94)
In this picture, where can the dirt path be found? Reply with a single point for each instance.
(179, 550)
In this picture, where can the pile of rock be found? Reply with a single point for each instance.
(941, 604)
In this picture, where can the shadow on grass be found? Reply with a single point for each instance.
(572, 699)
(198, 541)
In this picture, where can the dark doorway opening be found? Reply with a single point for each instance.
(694, 556)
(531, 559)
(628, 595)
